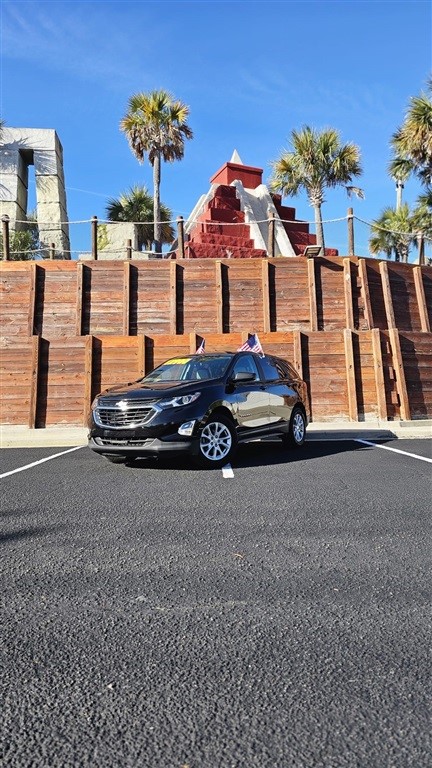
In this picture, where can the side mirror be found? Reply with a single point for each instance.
(243, 376)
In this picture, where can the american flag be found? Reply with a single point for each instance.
(253, 344)
(201, 348)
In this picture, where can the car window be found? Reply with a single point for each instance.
(246, 363)
(270, 370)
(286, 371)
(194, 368)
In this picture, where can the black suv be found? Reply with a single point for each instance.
(202, 405)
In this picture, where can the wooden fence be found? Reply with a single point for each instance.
(358, 330)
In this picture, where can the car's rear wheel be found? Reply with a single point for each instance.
(217, 442)
(296, 434)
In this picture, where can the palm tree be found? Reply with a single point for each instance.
(412, 142)
(394, 232)
(316, 161)
(136, 205)
(156, 125)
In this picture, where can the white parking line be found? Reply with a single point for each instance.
(395, 450)
(227, 471)
(41, 461)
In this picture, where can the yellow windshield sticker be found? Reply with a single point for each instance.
(178, 361)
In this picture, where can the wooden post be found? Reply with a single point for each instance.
(79, 298)
(88, 377)
(34, 382)
(350, 375)
(129, 249)
(180, 237)
(265, 295)
(313, 314)
(379, 373)
(126, 297)
(364, 289)
(271, 234)
(192, 342)
(420, 248)
(52, 251)
(421, 299)
(6, 245)
(350, 219)
(94, 224)
(219, 297)
(32, 298)
(388, 301)
(141, 356)
(173, 296)
(400, 374)
(297, 353)
(349, 313)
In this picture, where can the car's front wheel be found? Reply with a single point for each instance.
(217, 443)
(296, 434)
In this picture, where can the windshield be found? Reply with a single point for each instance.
(195, 368)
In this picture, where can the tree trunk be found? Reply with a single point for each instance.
(319, 228)
(156, 205)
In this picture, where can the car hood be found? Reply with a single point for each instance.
(154, 391)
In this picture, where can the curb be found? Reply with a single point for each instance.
(63, 437)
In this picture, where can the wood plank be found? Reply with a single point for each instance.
(141, 356)
(88, 377)
(219, 296)
(32, 299)
(350, 375)
(297, 353)
(79, 298)
(401, 387)
(313, 314)
(34, 382)
(265, 295)
(126, 296)
(421, 299)
(349, 312)
(365, 293)
(388, 301)
(173, 297)
(379, 374)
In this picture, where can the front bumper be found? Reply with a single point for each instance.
(141, 447)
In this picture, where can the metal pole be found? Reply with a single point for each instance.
(271, 235)
(129, 249)
(180, 236)
(6, 246)
(94, 223)
(350, 219)
(52, 251)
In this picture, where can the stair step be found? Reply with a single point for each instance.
(225, 190)
(211, 251)
(225, 203)
(222, 215)
(206, 238)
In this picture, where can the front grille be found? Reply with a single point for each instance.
(112, 441)
(132, 414)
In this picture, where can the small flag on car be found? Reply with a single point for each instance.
(253, 344)
(201, 348)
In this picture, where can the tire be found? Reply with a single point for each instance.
(217, 443)
(296, 434)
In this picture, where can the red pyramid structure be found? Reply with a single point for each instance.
(231, 220)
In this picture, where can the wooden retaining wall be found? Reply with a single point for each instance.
(358, 330)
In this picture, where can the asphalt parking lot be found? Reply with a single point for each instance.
(276, 615)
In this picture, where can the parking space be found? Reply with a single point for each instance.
(157, 615)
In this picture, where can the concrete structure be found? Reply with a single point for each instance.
(22, 147)
(232, 219)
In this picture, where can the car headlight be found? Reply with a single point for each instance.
(176, 402)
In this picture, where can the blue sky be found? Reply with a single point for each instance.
(250, 71)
